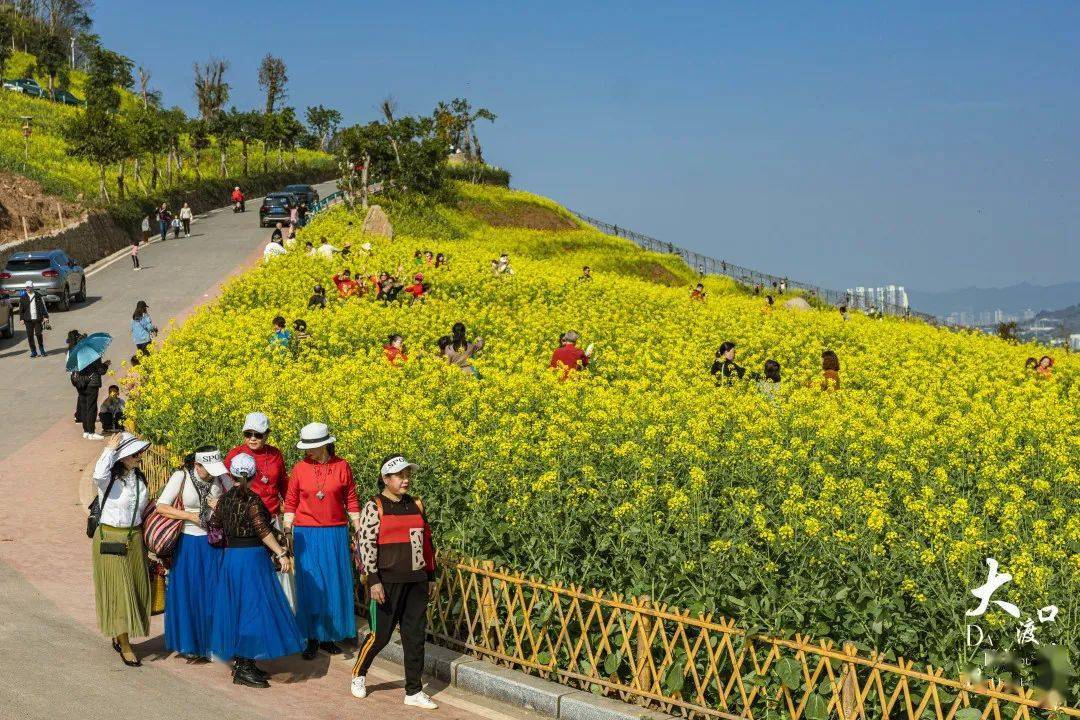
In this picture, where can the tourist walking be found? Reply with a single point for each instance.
(185, 218)
(145, 228)
(176, 227)
(194, 568)
(142, 327)
(319, 503)
(318, 298)
(135, 254)
(771, 380)
(724, 367)
(164, 218)
(121, 578)
(251, 618)
(34, 313)
(87, 383)
(397, 558)
(270, 478)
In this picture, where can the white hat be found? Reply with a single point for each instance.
(211, 461)
(29, 283)
(397, 464)
(258, 422)
(314, 435)
(130, 445)
(243, 465)
(366, 247)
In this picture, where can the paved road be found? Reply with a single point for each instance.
(53, 662)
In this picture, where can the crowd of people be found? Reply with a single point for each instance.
(262, 562)
(726, 370)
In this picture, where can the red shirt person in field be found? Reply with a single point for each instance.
(569, 356)
(394, 350)
(346, 286)
(270, 480)
(321, 501)
(417, 289)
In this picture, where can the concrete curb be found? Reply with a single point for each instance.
(517, 688)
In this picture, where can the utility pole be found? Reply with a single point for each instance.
(72, 52)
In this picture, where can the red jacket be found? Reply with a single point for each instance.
(416, 289)
(395, 356)
(346, 287)
(334, 481)
(570, 357)
(237, 196)
(270, 481)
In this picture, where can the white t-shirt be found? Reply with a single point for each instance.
(326, 250)
(191, 498)
(272, 249)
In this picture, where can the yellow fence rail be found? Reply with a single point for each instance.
(686, 664)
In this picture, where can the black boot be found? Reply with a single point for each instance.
(243, 674)
(331, 648)
(258, 670)
(311, 650)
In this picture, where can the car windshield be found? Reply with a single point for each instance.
(277, 200)
(297, 188)
(28, 264)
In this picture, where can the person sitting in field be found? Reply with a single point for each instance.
(457, 349)
(389, 288)
(273, 249)
(771, 378)
(418, 258)
(698, 293)
(724, 367)
(111, 412)
(309, 249)
(1045, 368)
(394, 350)
(418, 287)
(346, 286)
(830, 371)
(318, 298)
(282, 337)
(586, 274)
(325, 249)
(440, 261)
(429, 257)
(277, 234)
(502, 265)
(568, 355)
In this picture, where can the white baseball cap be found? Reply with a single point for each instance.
(257, 421)
(397, 464)
(243, 465)
(211, 461)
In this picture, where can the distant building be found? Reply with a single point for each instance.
(1028, 314)
(887, 296)
(1074, 342)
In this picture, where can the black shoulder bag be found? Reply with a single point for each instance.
(121, 548)
(94, 519)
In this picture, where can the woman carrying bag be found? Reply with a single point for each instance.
(190, 495)
(397, 554)
(319, 503)
(121, 578)
(252, 620)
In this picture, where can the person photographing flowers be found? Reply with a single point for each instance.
(397, 555)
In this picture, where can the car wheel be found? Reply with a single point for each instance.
(65, 300)
(80, 297)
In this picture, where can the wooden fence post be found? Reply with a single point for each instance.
(848, 687)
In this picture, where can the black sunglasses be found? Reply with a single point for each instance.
(251, 434)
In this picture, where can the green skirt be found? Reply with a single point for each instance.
(122, 585)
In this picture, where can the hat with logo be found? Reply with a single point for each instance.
(243, 465)
(211, 461)
(396, 464)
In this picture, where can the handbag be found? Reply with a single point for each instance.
(157, 589)
(116, 547)
(161, 533)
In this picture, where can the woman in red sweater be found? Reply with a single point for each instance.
(320, 502)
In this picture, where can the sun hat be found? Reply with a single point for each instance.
(130, 445)
(396, 464)
(256, 421)
(243, 465)
(314, 435)
(211, 461)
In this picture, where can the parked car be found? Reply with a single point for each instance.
(56, 276)
(7, 319)
(63, 96)
(275, 208)
(307, 193)
(27, 86)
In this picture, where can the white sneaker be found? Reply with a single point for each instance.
(420, 700)
(86, 436)
(359, 688)
(94, 436)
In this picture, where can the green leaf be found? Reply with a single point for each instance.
(790, 673)
(612, 662)
(817, 708)
(968, 713)
(673, 683)
(543, 658)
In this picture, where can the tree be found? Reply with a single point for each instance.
(51, 55)
(7, 37)
(407, 155)
(211, 90)
(224, 131)
(272, 79)
(289, 132)
(147, 131)
(455, 124)
(149, 97)
(199, 138)
(246, 127)
(173, 124)
(1007, 331)
(323, 122)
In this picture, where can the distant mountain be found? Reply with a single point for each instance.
(1068, 317)
(1012, 299)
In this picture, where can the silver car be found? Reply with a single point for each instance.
(56, 276)
(7, 319)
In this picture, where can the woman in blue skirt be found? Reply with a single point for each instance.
(319, 505)
(252, 620)
(194, 568)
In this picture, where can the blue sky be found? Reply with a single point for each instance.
(933, 145)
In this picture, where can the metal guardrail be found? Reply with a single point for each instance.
(706, 265)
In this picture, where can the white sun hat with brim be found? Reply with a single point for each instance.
(314, 435)
(130, 445)
(396, 464)
(211, 461)
(243, 465)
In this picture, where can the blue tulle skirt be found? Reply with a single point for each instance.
(252, 618)
(324, 583)
(189, 595)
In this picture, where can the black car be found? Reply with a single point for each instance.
(275, 208)
(307, 193)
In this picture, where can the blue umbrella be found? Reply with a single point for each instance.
(87, 350)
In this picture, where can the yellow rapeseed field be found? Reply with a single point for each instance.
(862, 514)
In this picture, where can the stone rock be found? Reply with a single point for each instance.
(797, 303)
(376, 223)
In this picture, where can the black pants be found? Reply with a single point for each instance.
(135, 261)
(111, 421)
(406, 605)
(187, 226)
(144, 348)
(33, 336)
(88, 408)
